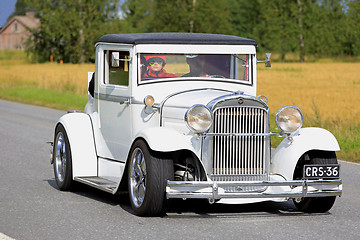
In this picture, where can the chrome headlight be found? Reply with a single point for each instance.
(289, 119)
(198, 118)
(263, 98)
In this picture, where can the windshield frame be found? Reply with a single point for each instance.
(189, 49)
(250, 70)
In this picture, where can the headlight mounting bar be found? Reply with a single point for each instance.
(279, 134)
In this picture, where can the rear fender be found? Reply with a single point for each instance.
(79, 130)
(289, 151)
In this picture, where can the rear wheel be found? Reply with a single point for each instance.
(315, 204)
(147, 179)
(62, 159)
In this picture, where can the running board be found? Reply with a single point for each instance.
(99, 183)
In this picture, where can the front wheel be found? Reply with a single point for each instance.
(315, 204)
(147, 178)
(62, 159)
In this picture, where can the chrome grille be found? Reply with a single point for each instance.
(240, 158)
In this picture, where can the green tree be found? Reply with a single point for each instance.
(279, 30)
(70, 28)
(21, 7)
(178, 16)
(212, 16)
(137, 14)
(245, 17)
(300, 18)
(173, 16)
(352, 45)
(325, 23)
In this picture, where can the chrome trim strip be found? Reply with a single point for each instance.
(253, 183)
(224, 102)
(112, 98)
(112, 44)
(135, 101)
(210, 190)
(327, 193)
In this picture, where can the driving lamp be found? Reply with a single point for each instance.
(149, 100)
(289, 119)
(198, 118)
(149, 103)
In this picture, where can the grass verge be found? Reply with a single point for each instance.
(44, 97)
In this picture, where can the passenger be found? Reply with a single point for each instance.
(155, 67)
(196, 66)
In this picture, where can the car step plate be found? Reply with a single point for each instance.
(99, 183)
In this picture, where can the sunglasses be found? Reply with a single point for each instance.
(158, 62)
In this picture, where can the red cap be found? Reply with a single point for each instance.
(161, 57)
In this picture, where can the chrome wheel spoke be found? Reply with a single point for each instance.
(141, 193)
(60, 157)
(140, 164)
(63, 164)
(137, 177)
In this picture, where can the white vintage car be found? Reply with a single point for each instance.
(176, 115)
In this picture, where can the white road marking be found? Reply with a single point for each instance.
(4, 237)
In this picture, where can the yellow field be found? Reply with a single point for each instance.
(61, 77)
(330, 89)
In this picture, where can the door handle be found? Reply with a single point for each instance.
(124, 101)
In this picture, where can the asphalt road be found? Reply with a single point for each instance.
(31, 206)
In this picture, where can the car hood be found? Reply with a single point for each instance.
(188, 99)
(175, 106)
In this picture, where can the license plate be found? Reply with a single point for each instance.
(322, 171)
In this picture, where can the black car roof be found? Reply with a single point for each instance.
(175, 38)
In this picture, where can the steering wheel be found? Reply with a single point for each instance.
(216, 76)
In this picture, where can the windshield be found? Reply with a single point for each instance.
(223, 67)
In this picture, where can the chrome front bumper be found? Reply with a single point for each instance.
(274, 189)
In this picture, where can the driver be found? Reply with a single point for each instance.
(155, 67)
(196, 65)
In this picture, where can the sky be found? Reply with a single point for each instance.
(7, 7)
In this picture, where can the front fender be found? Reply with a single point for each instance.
(79, 130)
(287, 154)
(167, 140)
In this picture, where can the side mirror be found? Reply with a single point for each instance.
(267, 60)
(115, 59)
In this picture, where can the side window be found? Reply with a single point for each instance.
(117, 74)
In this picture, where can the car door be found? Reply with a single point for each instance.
(114, 104)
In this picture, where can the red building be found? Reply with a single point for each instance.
(14, 33)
